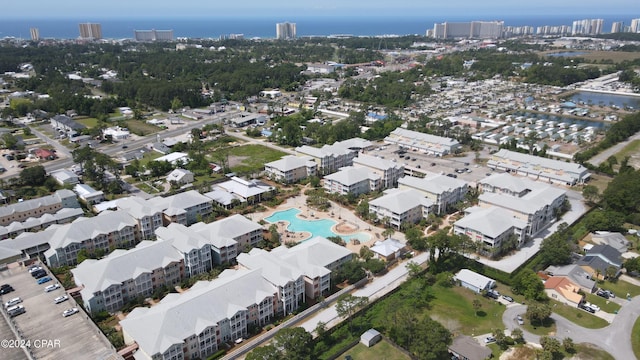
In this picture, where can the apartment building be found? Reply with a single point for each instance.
(90, 31)
(32, 224)
(193, 248)
(153, 35)
(285, 31)
(35, 208)
(330, 158)
(539, 168)
(124, 275)
(426, 143)
(109, 230)
(195, 324)
(469, 30)
(149, 217)
(290, 169)
(230, 235)
(352, 180)
(398, 206)
(389, 171)
(184, 208)
(492, 227)
(442, 190)
(530, 201)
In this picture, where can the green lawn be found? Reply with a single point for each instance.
(87, 121)
(149, 156)
(141, 128)
(589, 352)
(580, 317)
(632, 148)
(635, 338)
(252, 158)
(381, 350)
(620, 288)
(547, 327)
(453, 308)
(605, 305)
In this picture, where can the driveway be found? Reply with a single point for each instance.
(614, 338)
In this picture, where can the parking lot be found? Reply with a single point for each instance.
(49, 334)
(430, 164)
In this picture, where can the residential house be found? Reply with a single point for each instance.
(124, 275)
(388, 249)
(180, 177)
(426, 143)
(563, 289)
(398, 206)
(102, 233)
(442, 190)
(467, 348)
(237, 190)
(599, 259)
(291, 169)
(474, 281)
(577, 274)
(613, 239)
(539, 168)
(45, 154)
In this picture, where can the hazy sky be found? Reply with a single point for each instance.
(299, 8)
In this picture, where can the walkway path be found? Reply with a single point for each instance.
(614, 338)
(604, 155)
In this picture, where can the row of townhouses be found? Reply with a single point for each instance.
(266, 285)
(179, 252)
(539, 168)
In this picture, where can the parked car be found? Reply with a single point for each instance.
(587, 308)
(520, 320)
(38, 274)
(52, 287)
(507, 298)
(43, 280)
(594, 307)
(5, 289)
(13, 302)
(493, 294)
(602, 293)
(489, 339)
(60, 299)
(16, 310)
(69, 312)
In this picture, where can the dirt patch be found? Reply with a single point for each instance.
(451, 324)
(346, 228)
(236, 160)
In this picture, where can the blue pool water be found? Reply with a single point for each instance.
(315, 227)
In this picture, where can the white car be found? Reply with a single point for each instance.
(69, 312)
(60, 299)
(52, 287)
(520, 320)
(594, 307)
(13, 302)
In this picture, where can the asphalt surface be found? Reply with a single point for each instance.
(614, 338)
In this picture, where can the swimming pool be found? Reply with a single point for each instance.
(320, 227)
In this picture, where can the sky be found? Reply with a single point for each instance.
(75, 9)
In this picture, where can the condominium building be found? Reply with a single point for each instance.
(492, 227)
(35, 208)
(352, 180)
(102, 233)
(153, 35)
(469, 30)
(184, 208)
(330, 158)
(90, 31)
(230, 236)
(399, 206)
(426, 143)
(389, 171)
(635, 26)
(149, 218)
(35, 34)
(587, 27)
(539, 168)
(285, 31)
(124, 275)
(291, 169)
(194, 248)
(32, 224)
(443, 191)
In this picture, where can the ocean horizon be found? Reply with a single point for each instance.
(264, 27)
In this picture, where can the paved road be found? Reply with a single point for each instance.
(603, 156)
(615, 338)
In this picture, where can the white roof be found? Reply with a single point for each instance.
(576, 171)
(179, 201)
(83, 228)
(376, 162)
(422, 137)
(84, 190)
(135, 206)
(273, 269)
(500, 221)
(179, 316)
(387, 247)
(244, 188)
(527, 204)
(338, 148)
(178, 174)
(173, 157)
(183, 238)
(224, 232)
(471, 277)
(313, 256)
(401, 201)
(291, 162)
(433, 184)
(37, 203)
(350, 175)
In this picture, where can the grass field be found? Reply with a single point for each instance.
(589, 352)
(251, 158)
(605, 305)
(141, 128)
(87, 121)
(620, 288)
(381, 350)
(615, 56)
(453, 308)
(600, 181)
(545, 328)
(580, 317)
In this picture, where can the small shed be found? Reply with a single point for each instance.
(474, 281)
(370, 337)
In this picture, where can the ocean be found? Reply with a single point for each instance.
(264, 27)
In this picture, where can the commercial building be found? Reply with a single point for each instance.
(291, 169)
(399, 206)
(153, 35)
(285, 31)
(90, 31)
(469, 30)
(35, 208)
(443, 191)
(539, 168)
(426, 143)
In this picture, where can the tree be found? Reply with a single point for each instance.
(366, 253)
(434, 340)
(33, 176)
(517, 335)
(530, 285)
(568, 345)
(538, 312)
(275, 235)
(362, 209)
(476, 306)
(375, 266)
(611, 272)
(413, 268)
(267, 352)
(555, 250)
(550, 344)
(591, 193)
(347, 305)
(294, 343)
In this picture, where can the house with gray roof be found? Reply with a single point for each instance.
(195, 323)
(66, 125)
(442, 190)
(467, 348)
(577, 274)
(290, 169)
(397, 206)
(65, 177)
(180, 176)
(494, 228)
(474, 281)
(599, 259)
(49, 204)
(539, 168)
(388, 249)
(111, 282)
(614, 239)
(110, 229)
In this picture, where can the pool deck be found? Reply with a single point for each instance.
(346, 220)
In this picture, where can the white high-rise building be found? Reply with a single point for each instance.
(90, 31)
(617, 26)
(285, 31)
(473, 30)
(587, 27)
(635, 25)
(35, 34)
